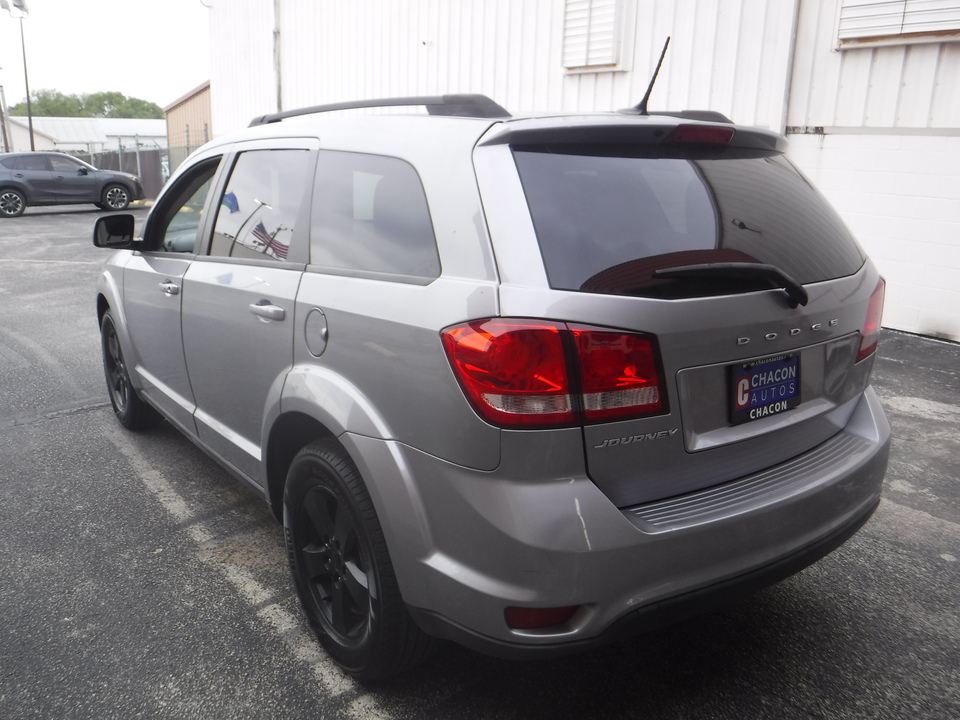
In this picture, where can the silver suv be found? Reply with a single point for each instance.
(529, 384)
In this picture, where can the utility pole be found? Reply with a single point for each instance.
(3, 122)
(21, 5)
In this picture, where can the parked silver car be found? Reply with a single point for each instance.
(50, 178)
(529, 384)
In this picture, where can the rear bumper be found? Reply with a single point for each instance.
(537, 532)
(652, 616)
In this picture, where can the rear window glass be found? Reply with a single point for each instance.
(370, 216)
(607, 223)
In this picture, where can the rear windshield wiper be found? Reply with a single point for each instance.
(776, 277)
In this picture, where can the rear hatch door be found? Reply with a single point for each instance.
(717, 247)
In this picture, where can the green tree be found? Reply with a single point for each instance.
(53, 103)
(104, 104)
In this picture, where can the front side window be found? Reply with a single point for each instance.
(65, 165)
(370, 215)
(259, 208)
(179, 212)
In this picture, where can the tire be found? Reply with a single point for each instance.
(342, 570)
(114, 197)
(12, 203)
(132, 412)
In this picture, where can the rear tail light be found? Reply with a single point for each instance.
(519, 373)
(514, 373)
(870, 334)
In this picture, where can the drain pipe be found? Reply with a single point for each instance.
(276, 53)
(791, 60)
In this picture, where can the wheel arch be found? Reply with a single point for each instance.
(318, 402)
(109, 298)
(102, 306)
(290, 432)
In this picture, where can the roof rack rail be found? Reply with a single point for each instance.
(477, 106)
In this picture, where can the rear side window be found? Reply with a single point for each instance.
(30, 162)
(370, 217)
(259, 208)
(607, 223)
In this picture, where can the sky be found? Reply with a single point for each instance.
(155, 50)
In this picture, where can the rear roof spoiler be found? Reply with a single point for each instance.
(638, 131)
(476, 106)
(704, 115)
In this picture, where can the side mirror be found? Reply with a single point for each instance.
(114, 231)
(82, 171)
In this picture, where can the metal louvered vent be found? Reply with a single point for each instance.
(590, 33)
(861, 19)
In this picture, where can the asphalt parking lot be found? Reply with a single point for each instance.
(141, 581)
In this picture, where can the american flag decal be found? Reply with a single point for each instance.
(270, 243)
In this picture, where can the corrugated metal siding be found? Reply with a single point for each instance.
(732, 56)
(193, 114)
(242, 69)
(909, 86)
(875, 18)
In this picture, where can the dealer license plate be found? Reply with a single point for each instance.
(764, 387)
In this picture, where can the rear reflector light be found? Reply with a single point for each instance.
(521, 618)
(870, 334)
(700, 135)
(546, 374)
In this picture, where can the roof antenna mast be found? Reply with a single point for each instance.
(641, 109)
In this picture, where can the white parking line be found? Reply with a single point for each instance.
(302, 645)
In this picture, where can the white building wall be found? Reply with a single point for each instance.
(903, 86)
(885, 149)
(900, 194)
(242, 82)
(771, 63)
(732, 56)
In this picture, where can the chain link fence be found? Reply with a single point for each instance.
(154, 166)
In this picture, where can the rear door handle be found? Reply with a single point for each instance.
(266, 310)
(170, 288)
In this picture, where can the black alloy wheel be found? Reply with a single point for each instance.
(132, 412)
(342, 569)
